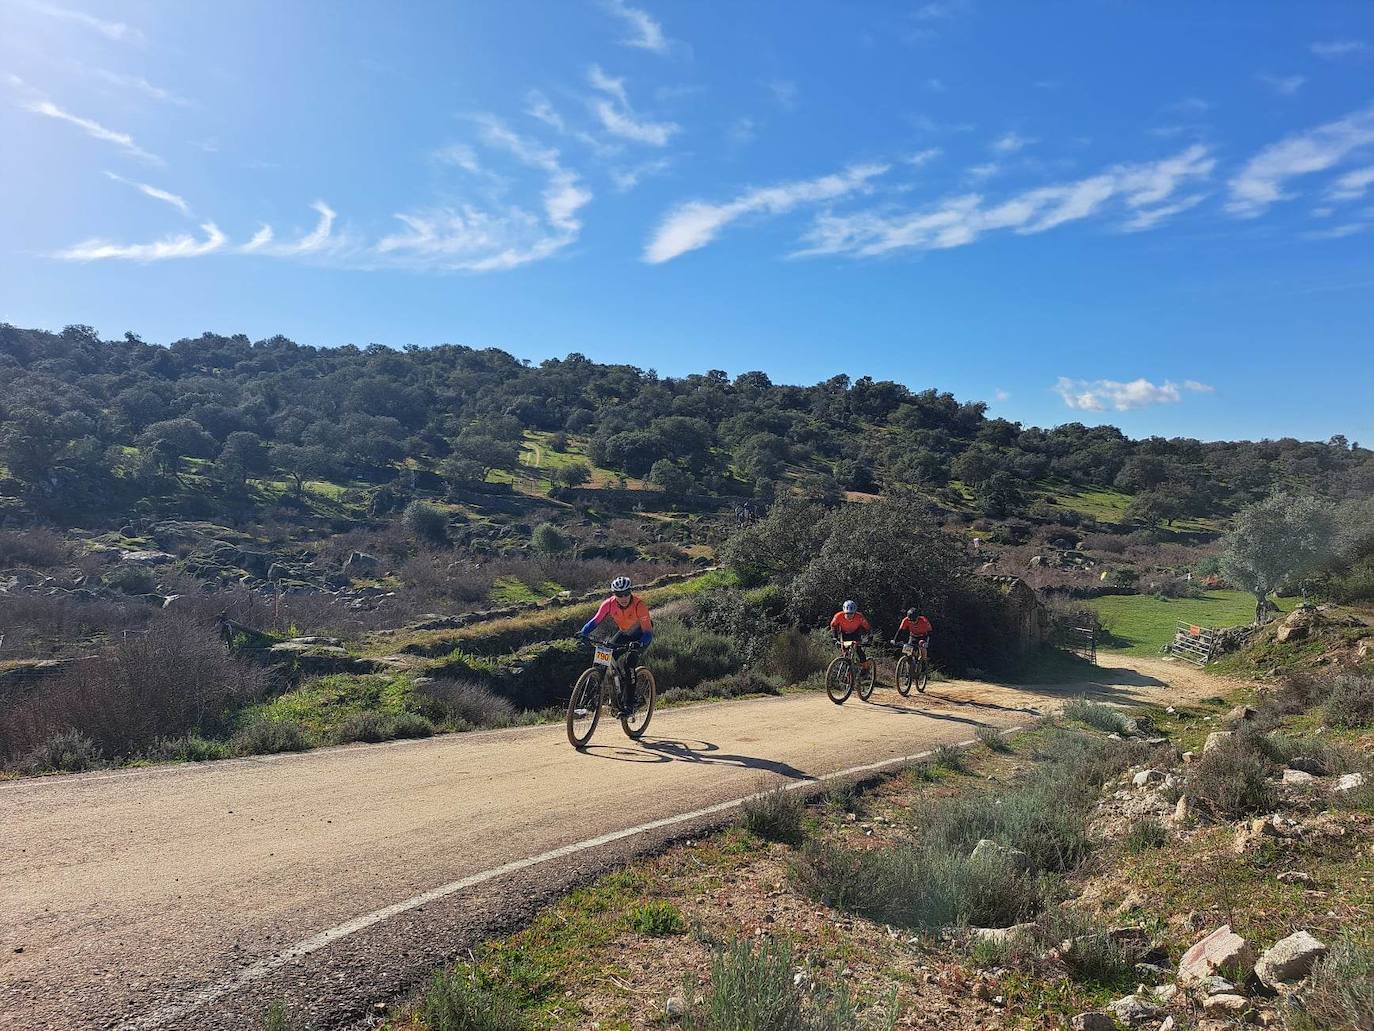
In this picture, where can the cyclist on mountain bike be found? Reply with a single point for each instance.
(917, 629)
(634, 627)
(849, 624)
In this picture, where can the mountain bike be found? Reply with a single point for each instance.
(603, 684)
(845, 673)
(913, 668)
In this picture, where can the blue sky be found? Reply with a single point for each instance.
(1156, 215)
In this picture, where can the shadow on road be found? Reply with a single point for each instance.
(929, 714)
(666, 750)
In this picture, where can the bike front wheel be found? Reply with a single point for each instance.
(839, 680)
(904, 675)
(584, 708)
(645, 694)
(867, 678)
(922, 675)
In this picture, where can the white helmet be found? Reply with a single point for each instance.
(850, 608)
(620, 585)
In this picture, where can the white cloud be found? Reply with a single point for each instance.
(115, 30)
(940, 10)
(1151, 217)
(460, 155)
(923, 157)
(183, 246)
(1145, 191)
(626, 179)
(1261, 182)
(1011, 142)
(646, 34)
(617, 116)
(694, 224)
(140, 85)
(537, 105)
(1001, 395)
(95, 130)
(1283, 85)
(260, 240)
(1333, 49)
(1100, 394)
(984, 171)
(1352, 185)
(1341, 231)
(152, 191)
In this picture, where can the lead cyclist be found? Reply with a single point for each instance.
(629, 614)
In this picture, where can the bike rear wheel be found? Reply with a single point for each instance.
(867, 679)
(839, 680)
(904, 675)
(645, 694)
(584, 708)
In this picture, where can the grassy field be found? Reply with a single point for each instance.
(1142, 624)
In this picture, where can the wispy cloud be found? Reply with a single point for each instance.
(617, 116)
(1142, 190)
(1261, 182)
(627, 179)
(152, 191)
(1283, 85)
(1011, 142)
(645, 32)
(95, 130)
(538, 106)
(1352, 185)
(923, 157)
(140, 85)
(115, 30)
(182, 246)
(1100, 394)
(1001, 395)
(1333, 49)
(473, 239)
(695, 224)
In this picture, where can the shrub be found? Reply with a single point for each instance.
(548, 539)
(262, 736)
(657, 919)
(464, 703)
(411, 725)
(1340, 992)
(1233, 780)
(843, 796)
(277, 1018)
(1094, 714)
(951, 758)
(67, 752)
(794, 655)
(1145, 834)
(131, 579)
(1351, 701)
(1093, 955)
(754, 988)
(684, 655)
(176, 679)
(425, 523)
(775, 816)
(37, 547)
(366, 726)
(460, 1000)
(992, 738)
(188, 749)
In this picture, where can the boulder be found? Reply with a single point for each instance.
(1225, 1005)
(1299, 625)
(1307, 764)
(1221, 952)
(1093, 1021)
(1297, 777)
(1145, 778)
(1214, 985)
(1000, 935)
(1134, 1010)
(147, 558)
(361, 566)
(987, 849)
(1349, 782)
(1289, 960)
(1215, 739)
(1240, 714)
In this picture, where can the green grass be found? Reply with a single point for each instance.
(511, 590)
(1142, 624)
(325, 704)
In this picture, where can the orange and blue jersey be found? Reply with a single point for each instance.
(631, 620)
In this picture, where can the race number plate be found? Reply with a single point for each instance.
(603, 657)
(908, 650)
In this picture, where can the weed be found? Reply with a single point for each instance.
(776, 816)
(921, 771)
(950, 758)
(1340, 992)
(68, 752)
(843, 796)
(1094, 714)
(462, 1000)
(410, 724)
(277, 1019)
(1145, 834)
(1093, 955)
(366, 726)
(188, 749)
(993, 739)
(263, 736)
(657, 919)
(1234, 779)
(466, 702)
(1351, 702)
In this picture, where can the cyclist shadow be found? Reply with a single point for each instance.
(928, 713)
(667, 750)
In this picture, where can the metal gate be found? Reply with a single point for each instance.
(1193, 643)
(1081, 640)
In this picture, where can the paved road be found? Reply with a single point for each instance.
(189, 896)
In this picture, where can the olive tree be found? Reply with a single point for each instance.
(1275, 542)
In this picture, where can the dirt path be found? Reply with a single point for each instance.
(192, 896)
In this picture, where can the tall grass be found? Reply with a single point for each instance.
(776, 816)
(461, 1000)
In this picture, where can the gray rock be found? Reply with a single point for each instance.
(147, 558)
(987, 849)
(1134, 1010)
(1349, 782)
(1216, 738)
(676, 1007)
(1225, 1005)
(1145, 778)
(1214, 985)
(1221, 952)
(361, 565)
(1297, 778)
(1290, 959)
(1093, 1021)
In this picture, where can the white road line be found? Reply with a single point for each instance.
(257, 971)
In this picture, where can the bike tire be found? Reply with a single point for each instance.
(646, 689)
(838, 675)
(922, 676)
(583, 717)
(903, 674)
(867, 681)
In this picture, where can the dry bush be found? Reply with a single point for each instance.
(40, 624)
(36, 547)
(176, 679)
(462, 702)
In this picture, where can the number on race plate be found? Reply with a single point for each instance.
(908, 650)
(603, 657)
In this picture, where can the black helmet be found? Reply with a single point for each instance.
(911, 613)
